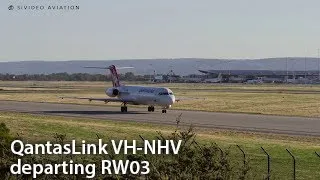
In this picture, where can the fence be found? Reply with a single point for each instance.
(293, 164)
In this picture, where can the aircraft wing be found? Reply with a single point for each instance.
(106, 100)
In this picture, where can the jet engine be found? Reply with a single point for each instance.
(112, 92)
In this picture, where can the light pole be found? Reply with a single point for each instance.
(318, 64)
(287, 70)
(305, 68)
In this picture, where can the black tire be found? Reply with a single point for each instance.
(124, 109)
(149, 108)
(152, 109)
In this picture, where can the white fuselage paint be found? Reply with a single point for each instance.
(141, 95)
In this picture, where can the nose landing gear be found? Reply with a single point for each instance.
(124, 108)
(164, 111)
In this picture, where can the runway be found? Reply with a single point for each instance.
(229, 121)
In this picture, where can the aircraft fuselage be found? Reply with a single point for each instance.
(142, 95)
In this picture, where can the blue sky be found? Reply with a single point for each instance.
(119, 29)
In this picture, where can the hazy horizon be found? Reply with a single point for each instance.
(141, 29)
(229, 59)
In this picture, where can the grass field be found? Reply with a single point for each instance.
(288, 100)
(40, 128)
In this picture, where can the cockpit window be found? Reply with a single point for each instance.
(165, 93)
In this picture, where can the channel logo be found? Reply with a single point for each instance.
(11, 7)
(44, 7)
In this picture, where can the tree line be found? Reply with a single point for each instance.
(129, 76)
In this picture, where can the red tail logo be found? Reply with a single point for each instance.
(114, 76)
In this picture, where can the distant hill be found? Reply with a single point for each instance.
(161, 66)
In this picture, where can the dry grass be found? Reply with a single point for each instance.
(288, 100)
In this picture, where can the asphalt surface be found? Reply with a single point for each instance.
(230, 121)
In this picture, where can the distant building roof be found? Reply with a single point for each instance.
(260, 72)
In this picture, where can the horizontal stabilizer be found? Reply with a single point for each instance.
(107, 67)
(114, 73)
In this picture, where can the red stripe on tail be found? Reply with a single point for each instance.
(114, 76)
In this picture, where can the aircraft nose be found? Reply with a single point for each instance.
(172, 99)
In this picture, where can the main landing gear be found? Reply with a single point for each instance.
(124, 108)
(151, 109)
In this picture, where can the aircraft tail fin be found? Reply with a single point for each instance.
(114, 76)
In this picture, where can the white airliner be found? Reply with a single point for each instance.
(214, 80)
(135, 95)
